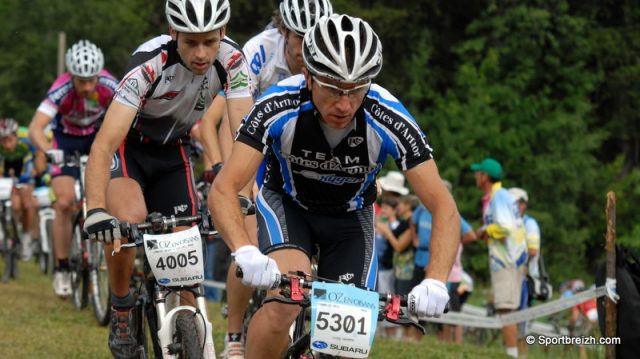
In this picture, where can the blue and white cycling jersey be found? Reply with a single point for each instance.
(285, 126)
(267, 64)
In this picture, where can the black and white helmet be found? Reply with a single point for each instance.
(300, 15)
(197, 16)
(342, 48)
(84, 59)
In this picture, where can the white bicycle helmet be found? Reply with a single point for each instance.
(342, 48)
(300, 15)
(8, 126)
(84, 59)
(197, 16)
(519, 194)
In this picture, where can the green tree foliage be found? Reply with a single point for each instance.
(615, 37)
(28, 61)
(521, 95)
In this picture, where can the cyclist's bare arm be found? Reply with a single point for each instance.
(237, 109)
(36, 131)
(115, 127)
(223, 197)
(208, 133)
(445, 234)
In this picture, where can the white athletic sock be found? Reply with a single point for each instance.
(512, 351)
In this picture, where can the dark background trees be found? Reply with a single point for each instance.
(551, 88)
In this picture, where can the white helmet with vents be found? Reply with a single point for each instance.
(300, 15)
(8, 126)
(84, 59)
(342, 48)
(197, 16)
(519, 194)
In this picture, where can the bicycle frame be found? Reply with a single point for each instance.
(163, 301)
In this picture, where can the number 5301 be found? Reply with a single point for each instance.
(336, 322)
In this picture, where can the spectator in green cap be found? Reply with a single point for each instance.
(489, 166)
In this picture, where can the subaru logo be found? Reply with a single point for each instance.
(319, 344)
(164, 280)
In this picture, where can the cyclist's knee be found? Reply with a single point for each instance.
(65, 204)
(131, 215)
(280, 316)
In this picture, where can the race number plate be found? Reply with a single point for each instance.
(176, 258)
(6, 185)
(343, 319)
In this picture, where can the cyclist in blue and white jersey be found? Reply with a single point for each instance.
(273, 55)
(326, 134)
(142, 150)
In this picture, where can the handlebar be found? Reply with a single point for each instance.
(157, 224)
(75, 159)
(292, 292)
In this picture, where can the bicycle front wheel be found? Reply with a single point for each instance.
(78, 270)
(186, 336)
(46, 258)
(12, 250)
(99, 283)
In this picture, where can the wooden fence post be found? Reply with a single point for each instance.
(610, 306)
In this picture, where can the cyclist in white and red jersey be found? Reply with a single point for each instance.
(141, 152)
(326, 134)
(72, 106)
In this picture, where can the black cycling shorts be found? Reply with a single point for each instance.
(344, 242)
(164, 173)
(70, 145)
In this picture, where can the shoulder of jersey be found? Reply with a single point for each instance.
(268, 39)
(292, 81)
(153, 44)
(380, 93)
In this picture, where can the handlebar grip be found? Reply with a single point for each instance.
(239, 273)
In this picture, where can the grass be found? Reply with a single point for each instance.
(34, 323)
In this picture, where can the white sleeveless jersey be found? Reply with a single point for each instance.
(267, 64)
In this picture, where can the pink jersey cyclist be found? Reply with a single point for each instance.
(71, 114)
(73, 105)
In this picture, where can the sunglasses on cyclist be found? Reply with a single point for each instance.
(337, 92)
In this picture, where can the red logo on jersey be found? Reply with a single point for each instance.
(234, 62)
(148, 73)
(167, 96)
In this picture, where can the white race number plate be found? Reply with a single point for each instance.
(343, 319)
(176, 258)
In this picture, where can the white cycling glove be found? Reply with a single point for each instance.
(258, 270)
(56, 156)
(429, 298)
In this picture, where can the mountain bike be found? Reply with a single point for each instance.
(173, 264)
(342, 319)
(10, 237)
(87, 265)
(46, 215)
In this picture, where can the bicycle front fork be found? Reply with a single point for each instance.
(167, 304)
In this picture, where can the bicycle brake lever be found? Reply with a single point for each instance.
(392, 310)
